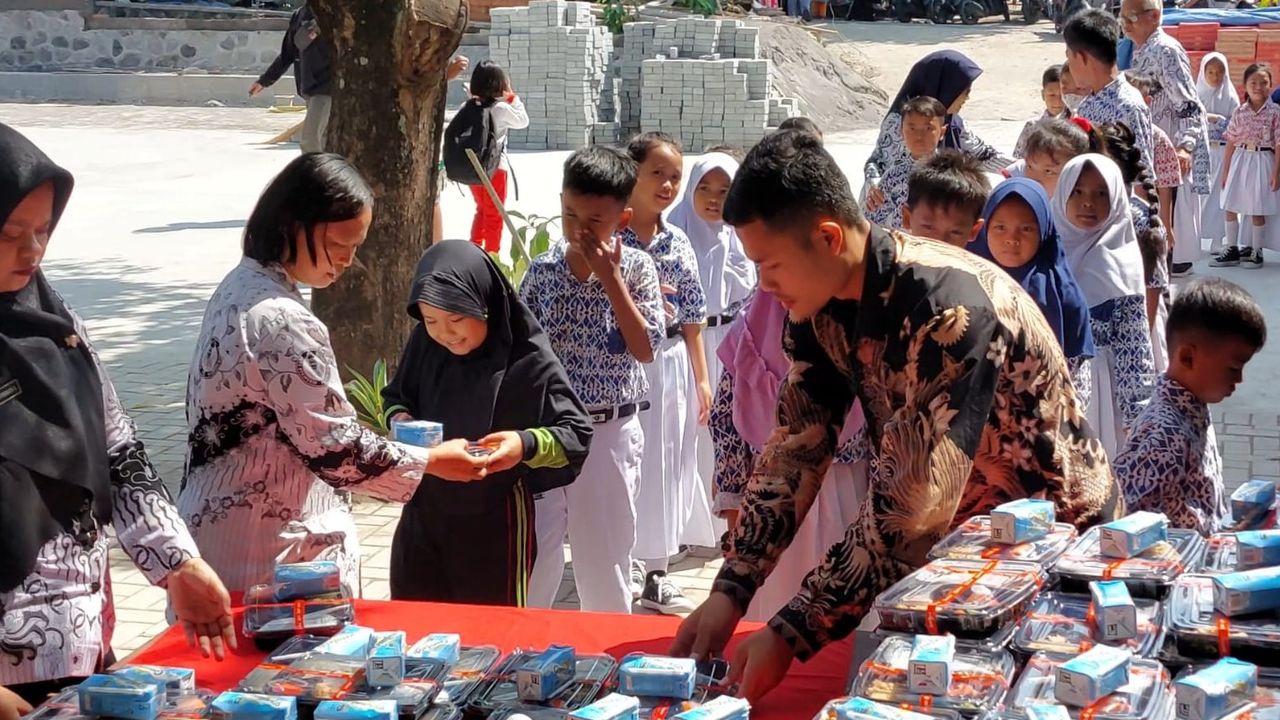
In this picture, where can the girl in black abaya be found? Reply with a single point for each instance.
(479, 363)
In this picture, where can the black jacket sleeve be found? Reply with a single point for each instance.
(288, 54)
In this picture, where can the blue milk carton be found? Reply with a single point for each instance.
(654, 676)
(1014, 523)
(724, 707)
(358, 710)
(1041, 711)
(350, 641)
(858, 708)
(437, 648)
(297, 581)
(1251, 502)
(538, 679)
(1215, 691)
(422, 433)
(1085, 679)
(175, 681)
(1249, 591)
(1133, 534)
(1114, 614)
(250, 706)
(610, 707)
(384, 667)
(929, 665)
(1257, 549)
(117, 696)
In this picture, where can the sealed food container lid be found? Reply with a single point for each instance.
(1221, 554)
(968, 598)
(1062, 623)
(828, 712)
(972, 541)
(499, 687)
(979, 680)
(990, 644)
(1147, 696)
(1196, 631)
(1148, 575)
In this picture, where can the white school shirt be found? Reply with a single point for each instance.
(508, 116)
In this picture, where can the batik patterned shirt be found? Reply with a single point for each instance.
(677, 268)
(969, 404)
(1254, 127)
(1168, 171)
(579, 320)
(1176, 109)
(1121, 102)
(1170, 463)
(59, 620)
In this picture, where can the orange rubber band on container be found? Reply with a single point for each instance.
(1223, 624)
(299, 616)
(931, 612)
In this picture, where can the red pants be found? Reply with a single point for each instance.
(486, 228)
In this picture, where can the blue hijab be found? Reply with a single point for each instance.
(1047, 278)
(943, 75)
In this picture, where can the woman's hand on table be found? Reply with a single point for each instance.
(704, 634)
(12, 707)
(203, 608)
(759, 664)
(450, 461)
(508, 450)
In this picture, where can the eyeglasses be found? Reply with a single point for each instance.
(1135, 17)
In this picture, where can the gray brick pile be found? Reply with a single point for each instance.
(701, 80)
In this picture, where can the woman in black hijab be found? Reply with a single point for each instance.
(70, 466)
(479, 364)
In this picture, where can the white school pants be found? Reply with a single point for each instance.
(1186, 225)
(600, 513)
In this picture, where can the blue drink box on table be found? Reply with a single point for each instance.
(1215, 691)
(250, 706)
(351, 641)
(120, 697)
(422, 433)
(1251, 502)
(1133, 534)
(859, 708)
(1047, 712)
(1086, 679)
(653, 676)
(358, 710)
(1020, 521)
(1257, 549)
(1250, 591)
(609, 707)
(298, 581)
(725, 707)
(438, 648)
(174, 681)
(539, 678)
(385, 665)
(929, 667)
(1114, 612)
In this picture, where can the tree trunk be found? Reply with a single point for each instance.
(388, 117)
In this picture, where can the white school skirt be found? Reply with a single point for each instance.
(1213, 225)
(834, 510)
(670, 490)
(1248, 190)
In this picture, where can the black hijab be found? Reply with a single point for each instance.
(513, 381)
(53, 457)
(943, 75)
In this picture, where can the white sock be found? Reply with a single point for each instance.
(1259, 234)
(1233, 234)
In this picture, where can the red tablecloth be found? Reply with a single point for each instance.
(801, 696)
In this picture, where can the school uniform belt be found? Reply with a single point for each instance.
(1256, 148)
(619, 412)
(715, 320)
(673, 332)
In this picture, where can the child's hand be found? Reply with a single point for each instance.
(667, 306)
(457, 65)
(508, 452)
(1275, 183)
(400, 417)
(875, 198)
(450, 461)
(604, 257)
(704, 403)
(1215, 119)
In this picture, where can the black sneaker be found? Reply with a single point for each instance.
(637, 579)
(1254, 261)
(1229, 257)
(1180, 269)
(664, 596)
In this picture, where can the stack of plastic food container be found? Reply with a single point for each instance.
(979, 680)
(1195, 631)
(1147, 696)
(1150, 574)
(973, 541)
(304, 598)
(1064, 624)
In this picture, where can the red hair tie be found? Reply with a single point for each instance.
(1083, 124)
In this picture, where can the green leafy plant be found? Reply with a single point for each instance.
(530, 237)
(366, 394)
(702, 7)
(617, 14)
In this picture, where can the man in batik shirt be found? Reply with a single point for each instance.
(967, 397)
(1177, 110)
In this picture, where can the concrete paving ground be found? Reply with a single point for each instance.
(163, 193)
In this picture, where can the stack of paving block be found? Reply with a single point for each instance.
(557, 59)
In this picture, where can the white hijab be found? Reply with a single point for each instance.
(1106, 261)
(1222, 100)
(727, 275)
